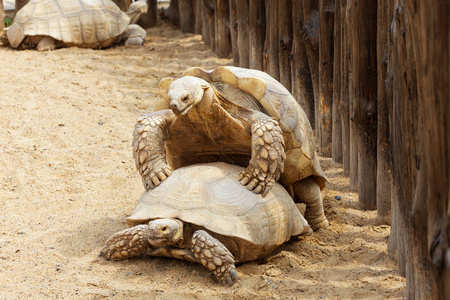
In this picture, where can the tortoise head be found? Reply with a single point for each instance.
(136, 10)
(185, 93)
(165, 232)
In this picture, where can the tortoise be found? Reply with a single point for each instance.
(235, 115)
(201, 213)
(51, 24)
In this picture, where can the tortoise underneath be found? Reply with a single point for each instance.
(201, 213)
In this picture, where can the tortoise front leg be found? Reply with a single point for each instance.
(267, 161)
(127, 243)
(212, 254)
(148, 147)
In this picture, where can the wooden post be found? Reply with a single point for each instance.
(2, 17)
(172, 13)
(266, 57)
(198, 16)
(384, 171)
(285, 41)
(187, 17)
(21, 3)
(242, 11)
(271, 65)
(430, 39)
(122, 4)
(302, 88)
(234, 33)
(223, 36)
(150, 18)
(257, 31)
(364, 72)
(344, 104)
(205, 23)
(349, 27)
(311, 39)
(210, 8)
(326, 32)
(337, 151)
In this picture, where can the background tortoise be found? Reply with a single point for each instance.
(50, 24)
(202, 214)
(239, 116)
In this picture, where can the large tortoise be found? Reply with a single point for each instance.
(51, 24)
(235, 115)
(201, 213)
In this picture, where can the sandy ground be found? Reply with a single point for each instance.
(68, 181)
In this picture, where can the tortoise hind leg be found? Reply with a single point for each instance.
(47, 43)
(308, 191)
(212, 254)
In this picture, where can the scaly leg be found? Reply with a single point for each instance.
(213, 255)
(267, 161)
(127, 243)
(47, 43)
(148, 147)
(134, 35)
(308, 191)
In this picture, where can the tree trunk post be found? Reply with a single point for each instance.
(205, 23)
(326, 32)
(257, 31)
(336, 115)
(151, 17)
(344, 104)
(187, 17)
(21, 3)
(272, 30)
(2, 16)
(353, 171)
(242, 10)
(311, 39)
(384, 171)
(430, 36)
(285, 42)
(302, 88)
(210, 8)
(364, 71)
(234, 27)
(223, 36)
(198, 17)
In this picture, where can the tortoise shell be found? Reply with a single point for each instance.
(210, 196)
(84, 23)
(257, 90)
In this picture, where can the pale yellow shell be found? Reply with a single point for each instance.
(236, 83)
(85, 23)
(209, 195)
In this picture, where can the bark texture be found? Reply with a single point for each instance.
(257, 31)
(222, 27)
(302, 88)
(285, 41)
(151, 17)
(326, 33)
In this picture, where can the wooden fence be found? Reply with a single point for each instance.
(373, 78)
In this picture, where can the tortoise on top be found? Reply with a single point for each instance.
(51, 24)
(235, 115)
(202, 214)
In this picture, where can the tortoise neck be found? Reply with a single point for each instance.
(203, 111)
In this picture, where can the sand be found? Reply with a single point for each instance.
(68, 181)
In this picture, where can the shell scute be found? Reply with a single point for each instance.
(210, 195)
